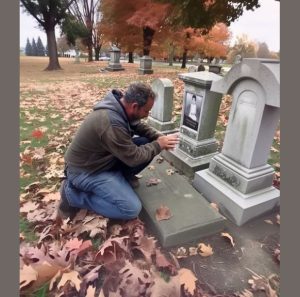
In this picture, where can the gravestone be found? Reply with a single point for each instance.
(198, 122)
(239, 178)
(201, 68)
(215, 68)
(192, 68)
(161, 113)
(145, 65)
(114, 63)
(238, 59)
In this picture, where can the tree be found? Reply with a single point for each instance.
(34, 48)
(244, 47)
(62, 44)
(40, 47)
(116, 30)
(28, 48)
(48, 14)
(85, 12)
(263, 51)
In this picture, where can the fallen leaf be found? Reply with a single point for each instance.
(161, 288)
(72, 277)
(38, 134)
(278, 219)
(228, 236)
(159, 160)
(139, 176)
(52, 197)
(90, 292)
(268, 222)
(193, 251)
(29, 206)
(205, 250)
(153, 181)
(181, 253)
(246, 293)
(170, 171)
(151, 167)
(163, 213)
(187, 279)
(27, 275)
(214, 206)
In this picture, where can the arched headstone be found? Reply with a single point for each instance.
(239, 178)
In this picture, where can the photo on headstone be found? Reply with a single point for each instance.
(192, 111)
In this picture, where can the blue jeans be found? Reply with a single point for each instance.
(107, 193)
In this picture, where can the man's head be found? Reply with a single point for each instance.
(138, 101)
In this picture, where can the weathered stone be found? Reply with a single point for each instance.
(145, 65)
(198, 122)
(114, 63)
(161, 113)
(242, 165)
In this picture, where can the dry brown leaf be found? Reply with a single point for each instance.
(215, 206)
(163, 213)
(161, 288)
(54, 278)
(188, 279)
(162, 262)
(29, 206)
(170, 171)
(52, 197)
(268, 222)
(181, 253)
(228, 236)
(153, 181)
(246, 293)
(90, 292)
(193, 251)
(205, 250)
(151, 167)
(147, 247)
(73, 277)
(115, 229)
(27, 275)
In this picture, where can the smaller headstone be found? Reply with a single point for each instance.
(201, 68)
(238, 59)
(192, 68)
(198, 122)
(215, 68)
(161, 113)
(145, 65)
(114, 63)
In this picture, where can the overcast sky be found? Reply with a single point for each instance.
(261, 25)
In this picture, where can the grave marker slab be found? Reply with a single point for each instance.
(114, 63)
(145, 65)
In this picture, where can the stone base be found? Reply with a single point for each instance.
(163, 127)
(243, 179)
(192, 216)
(185, 163)
(145, 71)
(238, 207)
(114, 67)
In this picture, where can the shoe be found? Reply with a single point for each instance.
(133, 181)
(65, 210)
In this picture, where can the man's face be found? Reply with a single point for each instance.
(143, 111)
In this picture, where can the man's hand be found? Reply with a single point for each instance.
(168, 142)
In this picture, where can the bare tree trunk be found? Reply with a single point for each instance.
(148, 34)
(130, 57)
(90, 52)
(97, 52)
(171, 54)
(52, 51)
(184, 56)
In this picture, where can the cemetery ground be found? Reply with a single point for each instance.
(94, 256)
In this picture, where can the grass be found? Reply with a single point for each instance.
(26, 229)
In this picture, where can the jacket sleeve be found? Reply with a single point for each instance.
(119, 143)
(142, 129)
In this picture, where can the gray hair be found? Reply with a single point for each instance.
(139, 93)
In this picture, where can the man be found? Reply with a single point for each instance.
(110, 147)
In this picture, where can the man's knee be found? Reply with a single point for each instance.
(132, 211)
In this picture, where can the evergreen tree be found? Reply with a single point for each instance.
(28, 48)
(34, 48)
(40, 47)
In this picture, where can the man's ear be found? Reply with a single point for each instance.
(135, 106)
